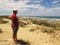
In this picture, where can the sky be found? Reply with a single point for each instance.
(30, 7)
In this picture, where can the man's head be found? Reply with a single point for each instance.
(15, 11)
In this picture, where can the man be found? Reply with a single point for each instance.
(15, 25)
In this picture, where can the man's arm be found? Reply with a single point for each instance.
(14, 21)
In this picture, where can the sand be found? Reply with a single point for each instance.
(31, 38)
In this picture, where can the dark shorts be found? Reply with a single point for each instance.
(15, 29)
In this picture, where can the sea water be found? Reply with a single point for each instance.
(45, 17)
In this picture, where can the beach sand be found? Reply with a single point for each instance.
(31, 34)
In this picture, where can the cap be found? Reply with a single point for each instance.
(15, 11)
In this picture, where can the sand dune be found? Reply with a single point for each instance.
(30, 37)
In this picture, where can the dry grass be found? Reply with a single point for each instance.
(48, 26)
(34, 32)
(3, 21)
(7, 17)
(47, 23)
(0, 30)
(31, 30)
(23, 24)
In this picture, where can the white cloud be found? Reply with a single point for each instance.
(9, 5)
(52, 11)
(54, 2)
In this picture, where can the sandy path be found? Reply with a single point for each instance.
(34, 38)
(7, 20)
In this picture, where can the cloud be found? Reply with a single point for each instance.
(20, 5)
(10, 5)
(52, 11)
(54, 2)
(29, 7)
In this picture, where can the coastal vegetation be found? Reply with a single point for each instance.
(48, 26)
(1, 31)
(2, 21)
(31, 30)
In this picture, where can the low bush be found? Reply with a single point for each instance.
(7, 17)
(3, 22)
(0, 30)
(47, 23)
(22, 24)
(32, 29)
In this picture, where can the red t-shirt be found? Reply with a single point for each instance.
(15, 22)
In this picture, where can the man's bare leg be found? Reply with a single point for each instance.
(15, 36)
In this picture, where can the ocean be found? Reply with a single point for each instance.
(45, 17)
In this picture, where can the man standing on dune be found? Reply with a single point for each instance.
(15, 25)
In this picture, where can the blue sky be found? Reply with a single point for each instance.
(31, 7)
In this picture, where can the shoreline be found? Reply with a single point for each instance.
(43, 18)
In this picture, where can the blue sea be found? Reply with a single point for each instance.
(45, 17)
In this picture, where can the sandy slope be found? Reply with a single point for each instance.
(34, 38)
